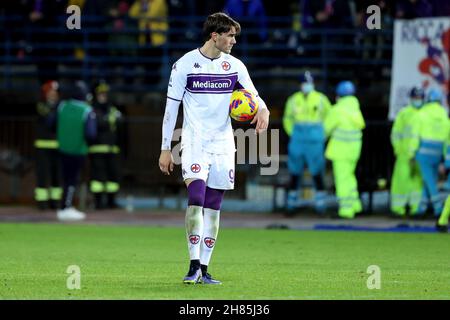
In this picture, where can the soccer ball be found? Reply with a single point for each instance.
(243, 105)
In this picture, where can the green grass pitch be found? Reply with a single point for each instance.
(141, 262)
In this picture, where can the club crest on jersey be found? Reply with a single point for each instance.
(226, 65)
(231, 175)
(195, 168)
(194, 239)
(209, 242)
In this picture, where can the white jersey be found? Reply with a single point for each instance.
(205, 85)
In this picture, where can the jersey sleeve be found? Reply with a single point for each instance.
(177, 82)
(169, 122)
(244, 80)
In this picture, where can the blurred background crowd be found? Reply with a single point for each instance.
(125, 49)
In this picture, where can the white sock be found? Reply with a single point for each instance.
(210, 231)
(194, 230)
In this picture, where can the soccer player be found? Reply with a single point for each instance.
(204, 79)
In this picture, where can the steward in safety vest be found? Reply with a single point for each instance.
(344, 125)
(303, 119)
(431, 132)
(406, 181)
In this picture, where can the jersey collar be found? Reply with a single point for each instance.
(211, 59)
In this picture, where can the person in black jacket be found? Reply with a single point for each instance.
(47, 192)
(104, 152)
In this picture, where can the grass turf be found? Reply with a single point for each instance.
(140, 262)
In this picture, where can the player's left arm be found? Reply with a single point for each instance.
(262, 117)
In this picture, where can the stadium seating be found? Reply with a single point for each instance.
(139, 75)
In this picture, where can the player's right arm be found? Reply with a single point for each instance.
(175, 92)
(166, 162)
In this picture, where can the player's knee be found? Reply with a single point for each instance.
(194, 214)
(196, 200)
(196, 193)
(213, 198)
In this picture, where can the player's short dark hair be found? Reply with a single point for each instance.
(219, 22)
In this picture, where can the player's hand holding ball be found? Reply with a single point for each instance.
(262, 120)
(244, 107)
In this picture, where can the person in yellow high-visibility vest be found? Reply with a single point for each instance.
(430, 132)
(303, 119)
(406, 182)
(344, 125)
